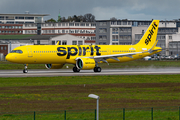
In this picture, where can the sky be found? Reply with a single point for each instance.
(101, 9)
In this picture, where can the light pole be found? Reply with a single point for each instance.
(96, 97)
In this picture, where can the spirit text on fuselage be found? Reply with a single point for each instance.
(62, 51)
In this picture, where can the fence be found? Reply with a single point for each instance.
(156, 113)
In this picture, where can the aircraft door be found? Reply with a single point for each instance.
(30, 54)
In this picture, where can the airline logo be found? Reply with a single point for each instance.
(148, 39)
(62, 51)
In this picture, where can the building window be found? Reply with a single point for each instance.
(82, 24)
(76, 24)
(1, 47)
(102, 24)
(38, 42)
(170, 37)
(76, 31)
(64, 42)
(53, 42)
(5, 48)
(19, 17)
(115, 31)
(124, 29)
(102, 37)
(29, 18)
(71, 31)
(115, 38)
(102, 30)
(71, 24)
(74, 42)
(80, 42)
(143, 32)
(93, 38)
(93, 24)
(63, 31)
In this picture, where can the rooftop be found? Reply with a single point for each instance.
(24, 14)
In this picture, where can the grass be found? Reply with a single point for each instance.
(13, 37)
(136, 93)
(104, 114)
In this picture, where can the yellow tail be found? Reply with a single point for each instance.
(149, 38)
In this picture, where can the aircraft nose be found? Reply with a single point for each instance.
(9, 57)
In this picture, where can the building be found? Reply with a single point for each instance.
(21, 18)
(67, 39)
(83, 30)
(126, 32)
(4, 49)
(12, 24)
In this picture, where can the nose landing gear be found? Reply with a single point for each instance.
(25, 68)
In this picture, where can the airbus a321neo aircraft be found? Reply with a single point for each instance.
(86, 57)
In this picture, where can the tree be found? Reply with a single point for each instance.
(113, 18)
(80, 18)
(76, 19)
(88, 18)
(51, 20)
(63, 19)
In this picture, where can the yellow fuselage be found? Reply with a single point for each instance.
(62, 54)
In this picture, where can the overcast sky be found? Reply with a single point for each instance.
(102, 9)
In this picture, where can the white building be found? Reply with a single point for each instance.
(67, 39)
(21, 18)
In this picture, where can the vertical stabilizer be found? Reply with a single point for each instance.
(149, 38)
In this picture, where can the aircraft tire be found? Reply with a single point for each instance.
(25, 71)
(75, 69)
(97, 69)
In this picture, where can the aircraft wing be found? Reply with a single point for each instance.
(114, 56)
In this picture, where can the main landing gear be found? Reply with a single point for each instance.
(75, 69)
(25, 68)
(97, 69)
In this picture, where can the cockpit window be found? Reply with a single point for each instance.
(16, 51)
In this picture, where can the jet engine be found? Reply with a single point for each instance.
(85, 63)
(54, 66)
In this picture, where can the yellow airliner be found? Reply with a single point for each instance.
(86, 57)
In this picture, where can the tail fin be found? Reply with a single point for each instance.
(149, 38)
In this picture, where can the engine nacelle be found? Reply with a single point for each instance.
(85, 63)
(54, 66)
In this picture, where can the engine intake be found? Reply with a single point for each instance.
(54, 66)
(85, 63)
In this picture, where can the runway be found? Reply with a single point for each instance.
(69, 72)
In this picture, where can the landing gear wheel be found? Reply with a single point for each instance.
(25, 69)
(97, 69)
(75, 69)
